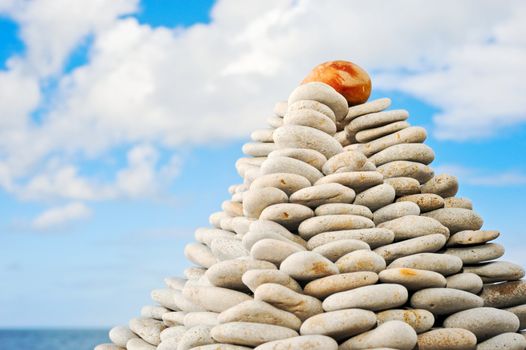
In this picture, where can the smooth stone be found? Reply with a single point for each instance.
(425, 201)
(478, 253)
(206, 235)
(243, 165)
(258, 149)
(306, 342)
(335, 250)
(173, 332)
(445, 301)
(375, 237)
(413, 134)
(274, 251)
(280, 108)
(250, 334)
(404, 186)
(343, 209)
(262, 135)
(456, 219)
(303, 306)
(469, 282)
(174, 300)
(361, 260)
(312, 105)
(271, 226)
(342, 137)
(120, 335)
(309, 156)
(374, 297)
(413, 152)
(254, 278)
(176, 283)
(447, 339)
(498, 271)
(339, 324)
(251, 238)
(139, 344)
(194, 272)
(228, 273)
(412, 279)
(228, 248)
(275, 121)
(455, 202)
(195, 336)
(204, 318)
(175, 318)
(278, 165)
(507, 341)
(322, 93)
(425, 244)
(470, 237)
(520, 312)
(220, 346)
(307, 265)
(152, 311)
(367, 108)
(199, 254)
(443, 185)
(323, 287)
(297, 136)
(288, 183)
(256, 311)
(375, 133)
(317, 195)
(310, 118)
(108, 346)
(504, 294)
(148, 329)
(318, 224)
(391, 334)
(254, 201)
(405, 168)
(412, 226)
(351, 160)
(374, 120)
(395, 211)
(421, 320)
(214, 299)
(376, 197)
(241, 225)
(442, 263)
(357, 180)
(484, 322)
(215, 218)
(290, 215)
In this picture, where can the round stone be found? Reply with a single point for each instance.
(120, 335)
(310, 118)
(192, 319)
(443, 185)
(139, 344)
(343, 209)
(298, 136)
(312, 105)
(323, 93)
(207, 235)
(412, 279)
(469, 282)
(250, 334)
(425, 201)
(375, 237)
(442, 263)
(508, 341)
(361, 260)
(309, 156)
(455, 202)
(412, 226)
(395, 211)
(271, 226)
(228, 248)
(172, 319)
(470, 237)
(389, 335)
(414, 152)
(280, 165)
(195, 336)
(214, 299)
(228, 273)
(367, 108)
(335, 250)
(478, 253)
(280, 108)
(326, 286)
(420, 320)
(339, 324)
(350, 160)
(498, 271)
(357, 180)
(290, 215)
(262, 135)
(445, 301)
(311, 342)
(317, 195)
(254, 278)
(412, 134)
(456, 219)
(308, 265)
(520, 312)
(274, 251)
(374, 120)
(374, 297)
(404, 186)
(288, 183)
(318, 224)
(199, 254)
(148, 329)
(376, 197)
(174, 300)
(255, 200)
(404, 168)
(375, 133)
(152, 311)
(429, 243)
(504, 294)
(447, 339)
(258, 149)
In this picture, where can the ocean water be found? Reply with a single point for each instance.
(53, 339)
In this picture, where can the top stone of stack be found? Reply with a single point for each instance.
(341, 236)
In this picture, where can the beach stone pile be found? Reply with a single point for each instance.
(341, 236)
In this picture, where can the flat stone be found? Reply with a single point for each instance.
(508, 341)
(404, 168)
(413, 152)
(303, 306)
(339, 324)
(255, 200)
(153, 311)
(251, 238)
(375, 133)
(469, 282)
(262, 135)
(504, 294)
(425, 244)
(326, 286)
(442, 263)
(214, 299)
(206, 235)
(412, 279)
(443, 185)
(254, 278)
(290, 215)
(308, 265)
(374, 120)
(309, 156)
(318, 224)
(456, 219)
(374, 297)
(278, 165)
(312, 105)
(228, 248)
(175, 318)
(404, 186)
(357, 180)
(310, 118)
(271, 226)
(322, 194)
(484, 322)
(109, 346)
(280, 108)
(421, 320)
(395, 211)
(520, 312)
(375, 237)
(258, 149)
(361, 260)
(322, 93)
(412, 226)
(425, 201)
(367, 108)
(343, 209)
(275, 121)
(413, 134)
(195, 336)
(204, 318)
(445, 301)
(350, 160)
(335, 250)
(199, 254)
(297, 136)
(139, 344)
(306, 342)
(256, 311)
(120, 335)
(241, 224)
(447, 339)
(288, 183)
(148, 329)
(376, 197)
(389, 335)
(498, 271)
(174, 300)
(228, 273)
(470, 237)
(478, 253)
(194, 272)
(455, 202)
(274, 251)
(176, 283)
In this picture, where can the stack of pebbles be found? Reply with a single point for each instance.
(340, 237)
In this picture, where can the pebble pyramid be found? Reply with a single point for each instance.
(340, 237)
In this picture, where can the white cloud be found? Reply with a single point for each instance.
(59, 216)
(478, 177)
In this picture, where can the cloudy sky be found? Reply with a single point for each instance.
(121, 120)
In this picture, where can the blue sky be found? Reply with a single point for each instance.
(123, 131)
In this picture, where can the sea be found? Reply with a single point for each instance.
(52, 339)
